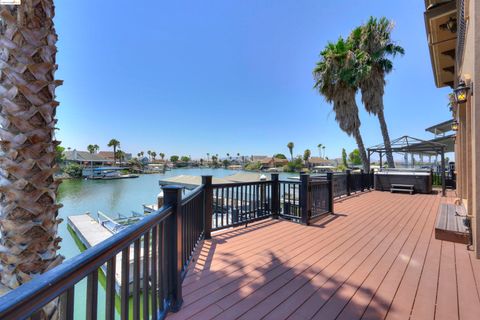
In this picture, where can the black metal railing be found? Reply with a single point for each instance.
(321, 198)
(289, 192)
(240, 203)
(144, 264)
(145, 261)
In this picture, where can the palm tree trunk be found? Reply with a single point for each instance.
(386, 138)
(28, 208)
(361, 149)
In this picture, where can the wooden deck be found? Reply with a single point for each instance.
(377, 258)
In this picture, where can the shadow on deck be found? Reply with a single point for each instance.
(377, 258)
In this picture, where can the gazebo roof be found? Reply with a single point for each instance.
(441, 128)
(412, 145)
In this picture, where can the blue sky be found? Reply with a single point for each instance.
(191, 77)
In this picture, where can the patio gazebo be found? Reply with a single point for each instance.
(407, 144)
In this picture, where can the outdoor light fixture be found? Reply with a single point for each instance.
(455, 125)
(461, 92)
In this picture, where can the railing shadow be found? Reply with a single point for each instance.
(223, 235)
(323, 222)
(276, 288)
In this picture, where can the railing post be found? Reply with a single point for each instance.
(305, 201)
(349, 181)
(275, 196)
(208, 206)
(362, 183)
(173, 197)
(330, 191)
(372, 179)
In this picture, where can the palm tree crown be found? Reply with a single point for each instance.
(290, 147)
(337, 75)
(374, 39)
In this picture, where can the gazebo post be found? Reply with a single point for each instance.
(443, 172)
(369, 153)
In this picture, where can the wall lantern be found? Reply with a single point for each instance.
(455, 125)
(461, 92)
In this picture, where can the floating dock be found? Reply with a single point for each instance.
(91, 233)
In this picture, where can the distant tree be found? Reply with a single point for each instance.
(355, 158)
(120, 155)
(93, 148)
(185, 159)
(290, 147)
(323, 148)
(306, 155)
(226, 163)
(149, 153)
(201, 161)
(228, 155)
(320, 149)
(114, 143)
(59, 154)
(293, 166)
(174, 158)
(162, 155)
(142, 153)
(344, 158)
(279, 156)
(238, 154)
(154, 154)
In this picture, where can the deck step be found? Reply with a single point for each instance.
(396, 187)
(452, 224)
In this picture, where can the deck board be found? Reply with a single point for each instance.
(377, 259)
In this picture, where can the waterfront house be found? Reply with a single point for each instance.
(110, 156)
(452, 33)
(85, 158)
(271, 162)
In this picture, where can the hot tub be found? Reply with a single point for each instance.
(420, 179)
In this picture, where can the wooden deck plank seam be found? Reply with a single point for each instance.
(392, 221)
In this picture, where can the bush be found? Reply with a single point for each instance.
(294, 166)
(73, 170)
(253, 166)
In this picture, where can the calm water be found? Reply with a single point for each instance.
(111, 197)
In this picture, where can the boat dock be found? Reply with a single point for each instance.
(91, 233)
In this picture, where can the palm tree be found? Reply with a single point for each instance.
(141, 153)
(290, 147)
(149, 154)
(323, 148)
(306, 155)
(162, 155)
(374, 38)
(336, 78)
(28, 208)
(93, 148)
(154, 154)
(320, 149)
(114, 143)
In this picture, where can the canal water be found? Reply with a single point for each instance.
(122, 196)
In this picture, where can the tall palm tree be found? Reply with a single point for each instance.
(154, 154)
(374, 38)
(336, 78)
(208, 157)
(28, 208)
(306, 155)
(320, 149)
(290, 147)
(149, 152)
(114, 143)
(162, 155)
(323, 149)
